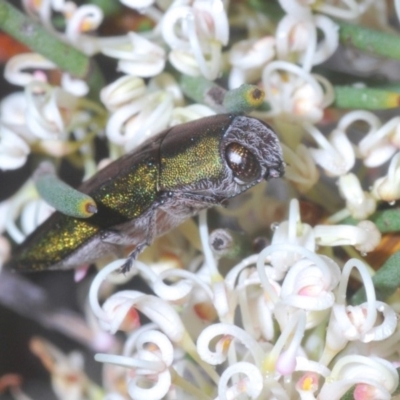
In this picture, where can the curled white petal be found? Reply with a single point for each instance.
(380, 143)
(360, 204)
(137, 55)
(379, 331)
(355, 369)
(251, 385)
(309, 286)
(294, 92)
(298, 34)
(336, 155)
(167, 82)
(292, 231)
(134, 122)
(388, 188)
(228, 332)
(160, 382)
(77, 87)
(13, 108)
(184, 61)
(365, 237)
(156, 392)
(252, 53)
(49, 111)
(182, 288)
(14, 70)
(123, 90)
(84, 18)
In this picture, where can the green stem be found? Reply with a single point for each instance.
(372, 41)
(37, 38)
(366, 98)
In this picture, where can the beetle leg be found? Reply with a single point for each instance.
(200, 198)
(150, 234)
(110, 236)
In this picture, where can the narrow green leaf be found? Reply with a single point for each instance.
(366, 98)
(370, 40)
(387, 220)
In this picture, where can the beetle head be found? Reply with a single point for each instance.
(251, 151)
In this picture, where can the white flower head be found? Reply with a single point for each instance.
(294, 92)
(203, 30)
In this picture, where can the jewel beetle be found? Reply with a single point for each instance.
(145, 193)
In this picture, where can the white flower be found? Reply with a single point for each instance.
(365, 237)
(122, 91)
(136, 55)
(248, 382)
(81, 19)
(336, 155)
(359, 203)
(295, 93)
(196, 35)
(227, 333)
(292, 232)
(15, 68)
(310, 286)
(50, 111)
(149, 353)
(134, 122)
(380, 142)
(296, 34)
(374, 372)
(387, 188)
(248, 57)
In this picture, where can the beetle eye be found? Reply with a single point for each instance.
(242, 162)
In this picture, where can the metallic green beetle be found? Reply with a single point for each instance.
(142, 195)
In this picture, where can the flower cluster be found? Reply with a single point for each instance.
(278, 323)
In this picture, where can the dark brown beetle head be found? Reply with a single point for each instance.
(251, 151)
